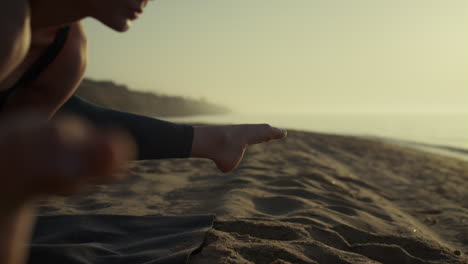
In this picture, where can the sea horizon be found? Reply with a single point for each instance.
(440, 129)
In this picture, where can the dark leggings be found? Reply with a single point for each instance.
(155, 139)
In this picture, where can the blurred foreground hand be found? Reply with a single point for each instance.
(41, 157)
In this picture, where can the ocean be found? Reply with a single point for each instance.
(449, 130)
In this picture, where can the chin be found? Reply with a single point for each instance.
(122, 29)
(120, 26)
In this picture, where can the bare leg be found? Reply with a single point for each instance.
(42, 158)
(225, 145)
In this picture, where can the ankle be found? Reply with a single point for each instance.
(208, 140)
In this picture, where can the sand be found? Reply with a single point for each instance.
(311, 198)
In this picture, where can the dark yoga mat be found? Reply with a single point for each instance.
(111, 239)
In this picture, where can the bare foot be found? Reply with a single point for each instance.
(226, 145)
(42, 158)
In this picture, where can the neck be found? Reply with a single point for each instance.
(50, 13)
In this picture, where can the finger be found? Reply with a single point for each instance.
(279, 133)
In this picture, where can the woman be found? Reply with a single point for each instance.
(42, 61)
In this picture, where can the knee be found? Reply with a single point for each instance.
(16, 35)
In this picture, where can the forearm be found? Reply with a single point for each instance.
(155, 139)
(15, 234)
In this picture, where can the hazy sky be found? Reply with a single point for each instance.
(294, 55)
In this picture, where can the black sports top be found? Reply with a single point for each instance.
(155, 139)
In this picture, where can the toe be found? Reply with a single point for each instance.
(278, 133)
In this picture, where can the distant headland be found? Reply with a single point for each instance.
(120, 97)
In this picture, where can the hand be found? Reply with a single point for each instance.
(42, 158)
(62, 156)
(116, 14)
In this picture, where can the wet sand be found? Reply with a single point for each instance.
(312, 198)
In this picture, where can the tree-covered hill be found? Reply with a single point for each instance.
(120, 97)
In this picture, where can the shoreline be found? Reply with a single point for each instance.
(448, 151)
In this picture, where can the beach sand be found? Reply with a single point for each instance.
(312, 198)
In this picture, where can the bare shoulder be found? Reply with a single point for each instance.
(61, 78)
(15, 34)
(75, 49)
(71, 60)
(77, 32)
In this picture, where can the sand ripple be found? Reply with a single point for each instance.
(310, 199)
